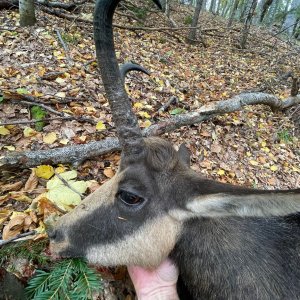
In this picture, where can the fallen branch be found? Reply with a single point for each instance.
(7, 4)
(132, 28)
(18, 236)
(79, 153)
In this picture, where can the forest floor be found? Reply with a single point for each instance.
(253, 147)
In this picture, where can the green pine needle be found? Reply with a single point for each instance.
(67, 279)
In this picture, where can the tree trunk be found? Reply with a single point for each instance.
(212, 6)
(192, 33)
(285, 12)
(291, 17)
(265, 6)
(27, 13)
(272, 12)
(244, 10)
(232, 12)
(247, 24)
(296, 27)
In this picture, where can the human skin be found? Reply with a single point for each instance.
(157, 284)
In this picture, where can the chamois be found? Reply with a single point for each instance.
(228, 242)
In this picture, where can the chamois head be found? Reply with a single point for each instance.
(137, 217)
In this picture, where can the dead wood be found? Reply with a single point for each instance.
(77, 154)
(8, 4)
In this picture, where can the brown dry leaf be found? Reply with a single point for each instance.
(33, 216)
(14, 226)
(31, 182)
(108, 172)
(11, 186)
(216, 148)
(27, 223)
(206, 164)
(46, 208)
(4, 214)
(93, 186)
(272, 181)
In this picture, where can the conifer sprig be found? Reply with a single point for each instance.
(68, 279)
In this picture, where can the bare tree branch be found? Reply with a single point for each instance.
(78, 153)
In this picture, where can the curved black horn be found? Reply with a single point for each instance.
(128, 130)
(128, 67)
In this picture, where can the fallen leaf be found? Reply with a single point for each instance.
(4, 131)
(253, 162)
(274, 168)
(14, 226)
(216, 148)
(50, 138)
(63, 196)
(4, 214)
(29, 132)
(145, 124)
(31, 182)
(108, 172)
(100, 126)
(44, 171)
(221, 172)
(11, 186)
(10, 148)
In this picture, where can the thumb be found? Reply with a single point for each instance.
(167, 271)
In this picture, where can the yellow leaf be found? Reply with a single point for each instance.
(60, 80)
(144, 114)
(100, 126)
(295, 169)
(28, 132)
(83, 138)
(221, 172)
(253, 162)
(50, 138)
(274, 168)
(60, 169)
(64, 141)
(61, 194)
(146, 124)
(10, 148)
(41, 228)
(138, 105)
(263, 144)
(44, 171)
(4, 131)
(61, 94)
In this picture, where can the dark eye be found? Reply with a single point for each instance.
(129, 198)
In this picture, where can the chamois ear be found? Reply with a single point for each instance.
(184, 154)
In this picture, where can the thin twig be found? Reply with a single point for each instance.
(78, 119)
(31, 103)
(65, 182)
(21, 235)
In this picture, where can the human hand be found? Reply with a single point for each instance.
(157, 284)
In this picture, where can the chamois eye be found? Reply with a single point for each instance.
(129, 198)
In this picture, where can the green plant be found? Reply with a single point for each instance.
(74, 38)
(38, 114)
(284, 135)
(67, 279)
(188, 20)
(32, 251)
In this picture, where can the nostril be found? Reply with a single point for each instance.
(52, 233)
